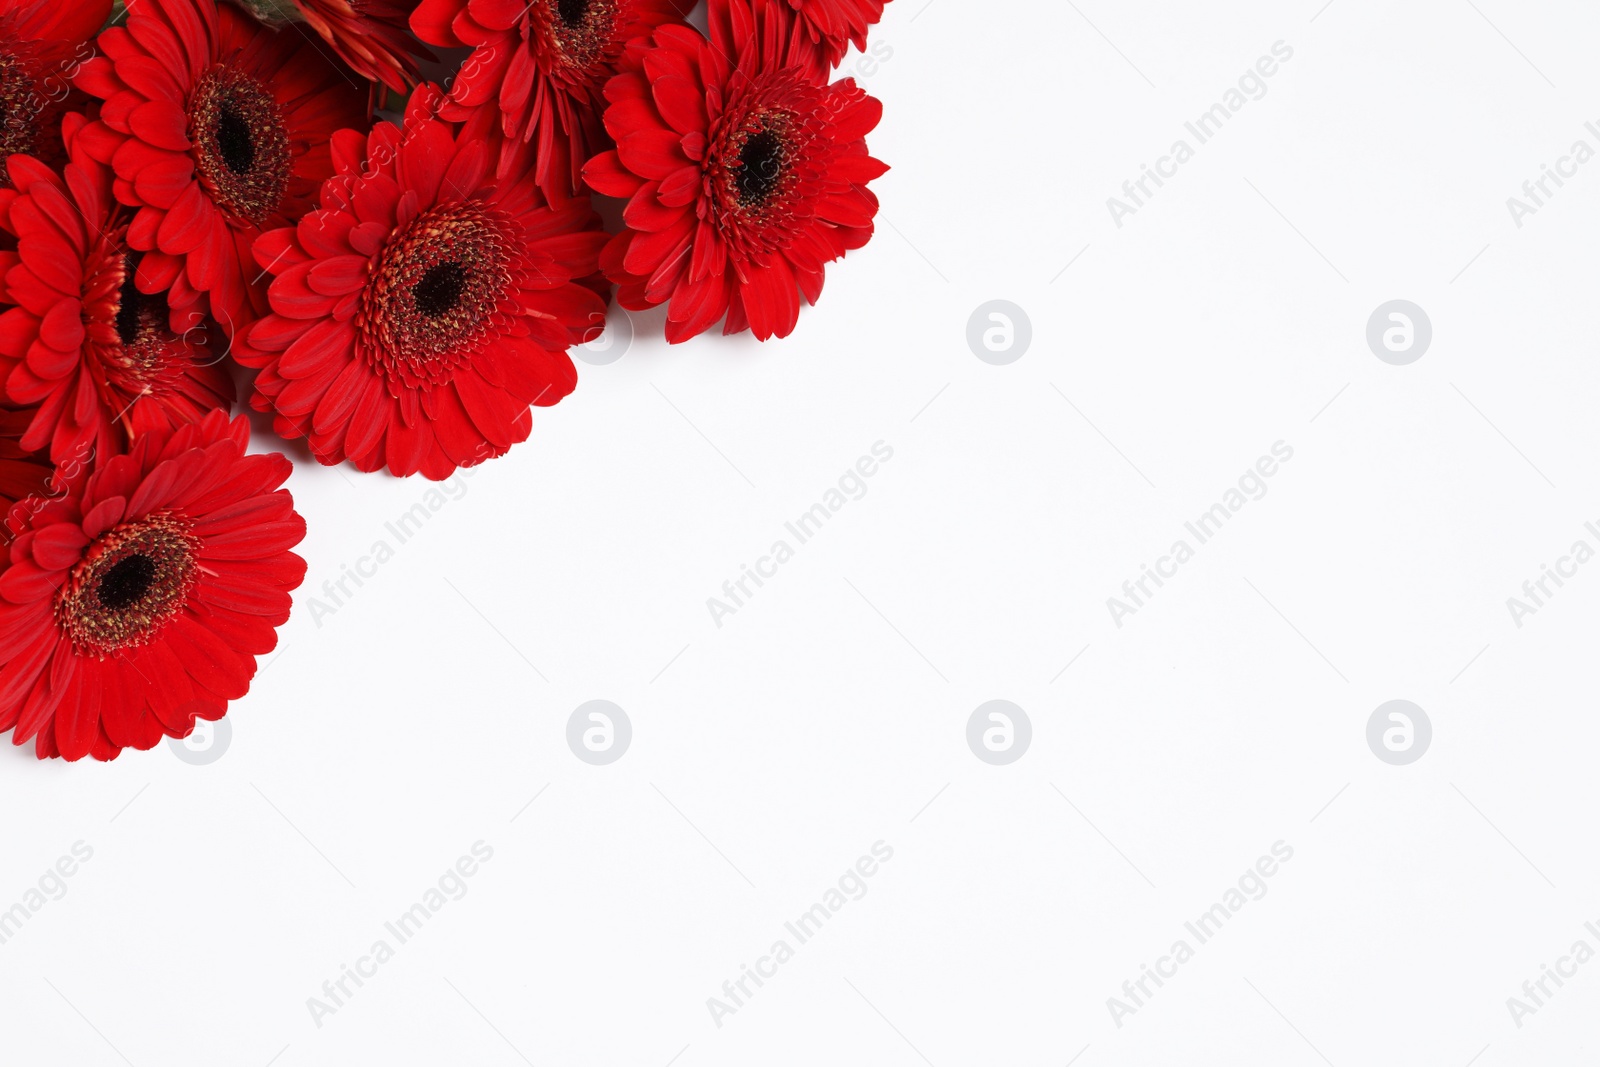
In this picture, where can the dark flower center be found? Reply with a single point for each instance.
(768, 160)
(130, 582)
(132, 305)
(440, 289)
(233, 140)
(241, 144)
(761, 160)
(583, 32)
(138, 354)
(435, 293)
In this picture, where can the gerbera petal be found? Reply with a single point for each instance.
(206, 658)
(431, 21)
(59, 546)
(338, 275)
(680, 102)
(62, 326)
(161, 123)
(607, 176)
(188, 223)
(77, 717)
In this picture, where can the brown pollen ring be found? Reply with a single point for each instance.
(131, 581)
(240, 144)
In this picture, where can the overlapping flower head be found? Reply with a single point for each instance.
(421, 309)
(42, 45)
(100, 359)
(392, 256)
(217, 128)
(829, 27)
(543, 66)
(139, 598)
(744, 175)
(372, 37)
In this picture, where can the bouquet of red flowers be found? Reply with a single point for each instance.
(188, 188)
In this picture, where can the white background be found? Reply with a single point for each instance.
(830, 712)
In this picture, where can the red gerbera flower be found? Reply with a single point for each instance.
(99, 358)
(217, 128)
(140, 598)
(831, 26)
(544, 64)
(369, 35)
(42, 43)
(419, 313)
(744, 175)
